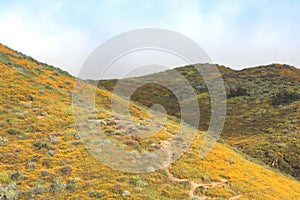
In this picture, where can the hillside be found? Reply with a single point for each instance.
(263, 118)
(42, 155)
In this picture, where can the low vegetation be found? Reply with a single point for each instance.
(42, 155)
(262, 109)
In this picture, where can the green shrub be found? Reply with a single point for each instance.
(31, 165)
(3, 140)
(9, 192)
(284, 97)
(4, 178)
(53, 139)
(43, 113)
(16, 175)
(237, 92)
(141, 183)
(200, 190)
(52, 78)
(27, 105)
(94, 194)
(41, 144)
(67, 82)
(270, 130)
(18, 66)
(57, 185)
(4, 58)
(14, 131)
(71, 184)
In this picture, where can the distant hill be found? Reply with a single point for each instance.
(263, 116)
(42, 155)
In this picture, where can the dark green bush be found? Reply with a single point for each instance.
(14, 131)
(237, 92)
(41, 144)
(4, 58)
(284, 97)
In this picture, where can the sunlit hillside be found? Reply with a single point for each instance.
(263, 118)
(42, 155)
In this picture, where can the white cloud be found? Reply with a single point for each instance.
(65, 32)
(65, 48)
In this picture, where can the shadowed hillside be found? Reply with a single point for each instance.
(43, 157)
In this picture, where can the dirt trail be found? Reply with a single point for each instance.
(235, 197)
(195, 185)
(123, 124)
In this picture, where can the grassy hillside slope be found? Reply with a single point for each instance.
(263, 117)
(42, 156)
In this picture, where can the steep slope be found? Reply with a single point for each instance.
(263, 118)
(42, 155)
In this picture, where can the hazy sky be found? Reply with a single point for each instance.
(237, 34)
